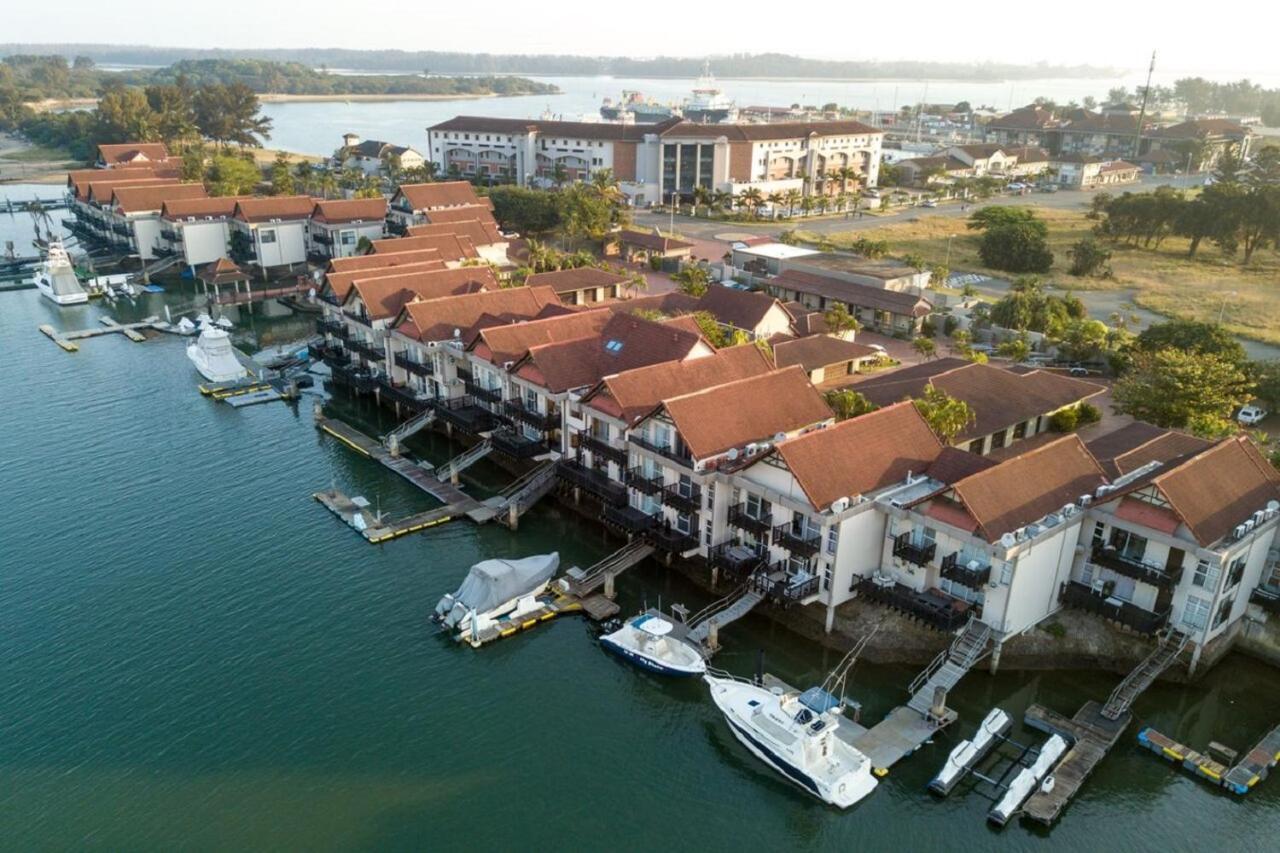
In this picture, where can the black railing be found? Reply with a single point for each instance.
(170, 235)
(602, 447)
(683, 498)
(359, 380)
(537, 420)
(958, 572)
(805, 544)
(594, 482)
(1268, 598)
(907, 550)
(321, 237)
(517, 446)
(419, 368)
(629, 518)
(402, 394)
(783, 590)
(636, 479)
(1112, 559)
(672, 541)
(1082, 597)
(936, 611)
(334, 357)
(326, 326)
(678, 455)
(759, 524)
(362, 319)
(464, 414)
(368, 350)
(736, 561)
(480, 392)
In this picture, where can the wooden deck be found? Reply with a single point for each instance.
(132, 331)
(374, 529)
(1092, 736)
(1252, 768)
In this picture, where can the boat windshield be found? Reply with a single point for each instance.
(818, 700)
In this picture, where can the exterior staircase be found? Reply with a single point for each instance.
(530, 488)
(946, 670)
(1144, 674)
(463, 460)
(731, 608)
(617, 562)
(162, 264)
(410, 427)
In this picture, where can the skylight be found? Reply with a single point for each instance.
(613, 346)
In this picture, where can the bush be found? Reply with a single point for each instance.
(1064, 420)
(1087, 413)
(950, 324)
(928, 328)
(1088, 257)
(1056, 630)
(1015, 247)
(655, 263)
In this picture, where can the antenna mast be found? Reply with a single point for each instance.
(1142, 113)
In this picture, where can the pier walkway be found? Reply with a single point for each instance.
(411, 427)
(109, 326)
(583, 583)
(704, 626)
(1238, 778)
(376, 528)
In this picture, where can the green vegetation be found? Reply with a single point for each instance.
(1183, 389)
(692, 280)
(1013, 239)
(1027, 307)
(846, 403)
(946, 415)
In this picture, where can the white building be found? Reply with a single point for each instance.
(274, 229)
(199, 229)
(337, 226)
(371, 155)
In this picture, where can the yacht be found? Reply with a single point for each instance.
(495, 591)
(647, 641)
(56, 278)
(212, 355)
(796, 735)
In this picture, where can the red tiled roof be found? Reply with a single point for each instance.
(217, 207)
(128, 152)
(508, 343)
(817, 351)
(1130, 447)
(384, 297)
(437, 195)
(464, 213)
(862, 295)
(100, 192)
(479, 232)
(269, 209)
(382, 259)
(340, 283)
(336, 211)
(653, 242)
(450, 246)
(571, 281)
(740, 309)
(152, 198)
(439, 319)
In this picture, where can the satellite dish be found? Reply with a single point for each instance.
(1008, 540)
(732, 454)
(782, 436)
(457, 333)
(1273, 505)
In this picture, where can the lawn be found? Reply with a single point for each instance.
(37, 154)
(1164, 280)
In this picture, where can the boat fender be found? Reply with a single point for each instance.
(881, 772)
(1047, 784)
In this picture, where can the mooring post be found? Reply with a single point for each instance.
(393, 445)
(939, 707)
(453, 474)
(317, 411)
(513, 515)
(713, 636)
(608, 586)
(995, 658)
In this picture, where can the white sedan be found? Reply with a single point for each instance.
(1251, 415)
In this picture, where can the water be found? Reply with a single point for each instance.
(195, 654)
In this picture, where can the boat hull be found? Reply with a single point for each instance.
(648, 663)
(61, 298)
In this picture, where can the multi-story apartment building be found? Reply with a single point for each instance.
(198, 229)
(132, 217)
(338, 225)
(414, 204)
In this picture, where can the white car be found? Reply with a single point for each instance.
(1251, 415)
(930, 203)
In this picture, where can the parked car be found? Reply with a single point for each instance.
(1251, 415)
(930, 203)
(1049, 188)
(1016, 186)
(1078, 370)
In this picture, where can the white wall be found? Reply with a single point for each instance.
(203, 242)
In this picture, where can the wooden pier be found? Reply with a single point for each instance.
(1238, 778)
(376, 528)
(132, 331)
(1091, 736)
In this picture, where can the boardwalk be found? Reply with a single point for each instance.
(1091, 734)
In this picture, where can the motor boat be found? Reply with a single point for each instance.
(212, 355)
(224, 323)
(648, 642)
(797, 735)
(495, 591)
(56, 278)
(184, 326)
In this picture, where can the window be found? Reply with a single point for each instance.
(267, 235)
(1130, 545)
(975, 446)
(833, 539)
(1098, 530)
(1195, 614)
(1206, 575)
(1235, 572)
(1224, 613)
(997, 440)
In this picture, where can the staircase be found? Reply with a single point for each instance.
(1144, 674)
(731, 608)
(950, 666)
(464, 460)
(161, 265)
(410, 427)
(527, 490)
(617, 562)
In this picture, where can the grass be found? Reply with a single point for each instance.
(38, 154)
(1163, 280)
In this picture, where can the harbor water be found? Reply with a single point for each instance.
(196, 655)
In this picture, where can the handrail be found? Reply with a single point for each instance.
(719, 605)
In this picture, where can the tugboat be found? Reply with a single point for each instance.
(56, 278)
(709, 104)
(637, 107)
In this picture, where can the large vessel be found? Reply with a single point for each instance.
(56, 278)
(708, 104)
(797, 735)
(496, 590)
(212, 355)
(634, 106)
(648, 641)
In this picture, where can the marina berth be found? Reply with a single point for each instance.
(493, 591)
(651, 642)
(212, 355)
(56, 278)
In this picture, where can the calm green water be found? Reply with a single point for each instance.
(194, 654)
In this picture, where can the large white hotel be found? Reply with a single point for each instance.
(652, 161)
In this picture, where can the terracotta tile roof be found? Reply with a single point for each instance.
(652, 242)
(570, 129)
(749, 410)
(571, 281)
(804, 320)
(270, 208)
(480, 233)
(1118, 166)
(450, 246)
(741, 309)
(632, 394)
(980, 152)
(954, 464)
(1130, 447)
(1090, 122)
(336, 211)
(384, 297)
(1030, 117)
(508, 343)
(672, 304)
(78, 180)
(944, 162)
(771, 130)
(218, 207)
(1026, 488)
(1000, 398)
(382, 259)
(129, 152)
(626, 342)
(1200, 128)
(861, 295)
(1028, 154)
(100, 192)
(817, 351)
(861, 455)
(221, 271)
(340, 283)
(438, 319)
(466, 212)
(436, 195)
(152, 198)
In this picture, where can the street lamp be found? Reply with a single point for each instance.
(947, 263)
(1223, 309)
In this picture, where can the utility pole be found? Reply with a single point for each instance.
(1142, 113)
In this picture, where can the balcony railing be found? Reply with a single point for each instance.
(932, 608)
(480, 392)
(974, 577)
(1155, 575)
(677, 455)
(736, 561)
(513, 444)
(629, 518)
(671, 540)
(418, 368)
(636, 479)
(759, 524)
(362, 319)
(920, 554)
(783, 589)
(537, 420)
(602, 447)
(805, 544)
(359, 380)
(368, 350)
(326, 326)
(593, 482)
(464, 414)
(321, 237)
(1145, 622)
(1268, 598)
(686, 499)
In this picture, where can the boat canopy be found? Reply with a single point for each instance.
(494, 582)
(818, 700)
(653, 625)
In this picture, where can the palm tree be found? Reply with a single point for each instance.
(775, 201)
(721, 200)
(752, 198)
(328, 183)
(701, 196)
(806, 205)
(846, 174)
(792, 197)
(558, 175)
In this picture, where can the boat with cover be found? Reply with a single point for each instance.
(496, 590)
(648, 642)
(56, 277)
(211, 354)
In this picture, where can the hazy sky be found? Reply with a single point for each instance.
(1236, 38)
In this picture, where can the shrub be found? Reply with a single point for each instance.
(1087, 413)
(1056, 630)
(949, 325)
(928, 328)
(655, 263)
(1064, 420)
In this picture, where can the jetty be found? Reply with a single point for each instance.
(376, 528)
(1219, 764)
(108, 326)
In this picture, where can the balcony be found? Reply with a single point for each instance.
(595, 483)
(1112, 559)
(672, 541)
(1268, 598)
(418, 368)
(738, 562)
(480, 392)
(516, 446)
(687, 499)
(359, 380)
(601, 447)
(464, 414)
(537, 420)
(629, 518)
(931, 607)
(411, 398)
(783, 589)
(326, 326)
(805, 544)
(676, 455)
(974, 577)
(321, 238)
(1136, 619)
(636, 479)
(905, 549)
(759, 525)
(366, 349)
(362, 319)
(170, 235)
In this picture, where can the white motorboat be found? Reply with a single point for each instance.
(796, 735)
(184, 326)
(211, 354)
(224, 323)
(495, 591)
(56, 278)
(647, 642)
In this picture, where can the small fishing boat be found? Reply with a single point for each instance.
(184, 326)
(648, 642)
(496, 590)
(212, 355)
(56, 277)
(224, 323)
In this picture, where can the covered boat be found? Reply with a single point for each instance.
(496, 589)
(211, 354)
(648, 642)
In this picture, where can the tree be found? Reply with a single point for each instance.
(846, 403)
(946, 415)
(925, 347)
(232, 175)
(752, 199)
(281, 178)
(584, 213)
(986, 218)
(231, 114)
(916, 261)
(1016, 247)
(1015, 349)
(839, 320)
(173, 108)
(1266, 376)
(939, 274)
(193, 163)
(1088, 257)
(1081, 340)
(1192, 337)
(1171, 387)
(791, 198)
(125, 116)
(525, 210)
(711, 329)
(693, 280)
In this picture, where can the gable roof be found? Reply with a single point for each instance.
(352, 263)
(436, 195)
(500, 344)
(341, 210)
(216, 207)
(100, 191)
(479, 232)
(653, 242)
(863, 295)
(741, 309)
(384, 297)
(270, 208)
(152, 198)
(340, 283)
(130, 152)
(817, 351)
(571, 281)
(672, 303)
(1028, 154)
(1030, 117)
(78, 180)
(438, 319)
(1138, 443)
(734, 414)
(631, 394)
(1199, 128)
(462, 213)
(450, 246)
(860, 455)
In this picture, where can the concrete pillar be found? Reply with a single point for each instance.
(609, 591)
(831, 617)
(995, 658)
(939, 706)
(453, 474)
(317, 411)
(713, 635)
(513, 516)
(715, 576)
(577, 494)
(393, 446)
(1196, 649)
(448, 429)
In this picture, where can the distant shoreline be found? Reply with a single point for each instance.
(288, 99)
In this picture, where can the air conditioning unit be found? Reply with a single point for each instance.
(1085, 500)
(840, 505)
(506, 365)
(1008, 540)
(1259, 517)
(752, 448)
(1240, 531)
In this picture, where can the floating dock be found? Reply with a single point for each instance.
(1092, 736)
(1238, 778)
(375, 528)
(132, 331)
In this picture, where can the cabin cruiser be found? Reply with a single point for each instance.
(708, 104)
(796, 735)
(56, 278)
(494, 591)
(647, 641)
(212, 355)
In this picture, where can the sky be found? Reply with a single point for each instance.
(1097, 32)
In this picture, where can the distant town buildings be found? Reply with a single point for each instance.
(374, 157)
